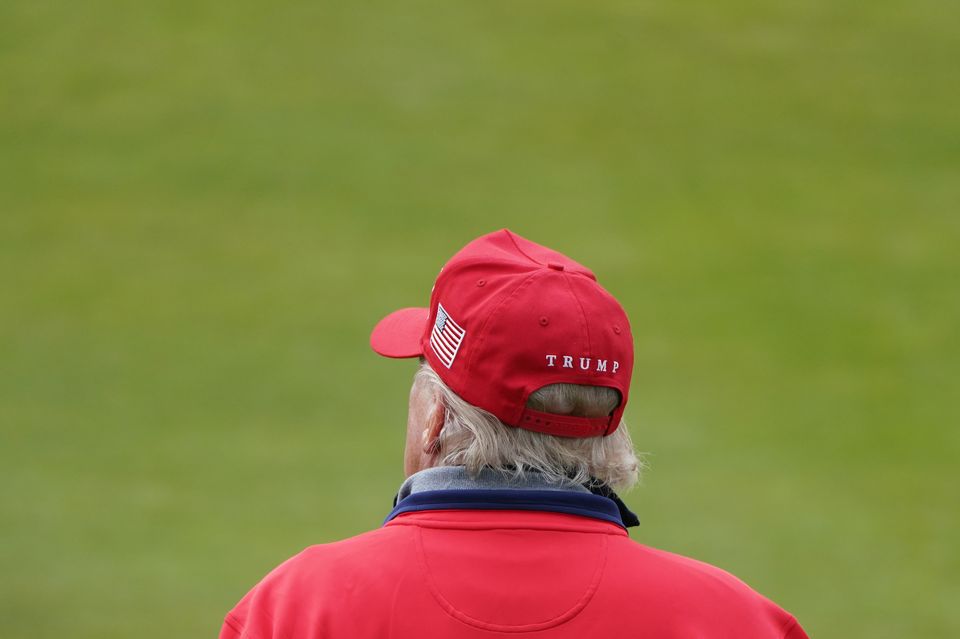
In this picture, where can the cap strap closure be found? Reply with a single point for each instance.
(564, 425)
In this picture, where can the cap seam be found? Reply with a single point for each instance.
(481, 330)
(470, 261)
(520, 250)
(583, 315)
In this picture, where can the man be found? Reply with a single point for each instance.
(507, 523)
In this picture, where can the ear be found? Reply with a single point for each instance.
(433, 427)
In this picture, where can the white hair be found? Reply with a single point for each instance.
(475, 438)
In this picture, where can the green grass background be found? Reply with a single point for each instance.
(205, 206)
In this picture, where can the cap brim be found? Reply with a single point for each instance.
(398, 334)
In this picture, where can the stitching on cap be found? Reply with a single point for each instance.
(520, 250)
(482, 329)
(583, 314)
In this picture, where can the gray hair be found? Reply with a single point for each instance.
(475, 438)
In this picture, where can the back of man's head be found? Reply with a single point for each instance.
(525, 366)
(475, 438)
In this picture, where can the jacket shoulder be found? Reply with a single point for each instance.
(338, 575)
(367, 555)
(704, 592)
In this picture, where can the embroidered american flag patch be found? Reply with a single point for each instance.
(446, 337)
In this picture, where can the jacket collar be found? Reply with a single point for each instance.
(452, 488)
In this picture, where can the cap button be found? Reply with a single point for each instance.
(555, 266)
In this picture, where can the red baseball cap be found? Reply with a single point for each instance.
(508, 316)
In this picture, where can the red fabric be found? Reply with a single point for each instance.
(531, 317)
(483, 574)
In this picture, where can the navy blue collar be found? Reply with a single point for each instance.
(606, 507)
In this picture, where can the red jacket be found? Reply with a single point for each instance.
(484, 564)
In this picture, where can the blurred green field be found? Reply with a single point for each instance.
(205, 206)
